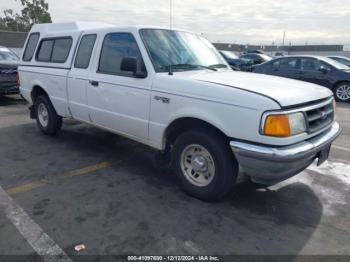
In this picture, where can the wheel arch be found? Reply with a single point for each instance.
(37, 91)
(339, 82)
(185, 123)
(335, 93)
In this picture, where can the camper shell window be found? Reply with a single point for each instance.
(54, 50)
(30, 47)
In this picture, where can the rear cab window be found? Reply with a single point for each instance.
(54, 50)
(86, 46)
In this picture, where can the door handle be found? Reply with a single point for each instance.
(93, 83)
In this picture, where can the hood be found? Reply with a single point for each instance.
(286, 92)
(8, 64)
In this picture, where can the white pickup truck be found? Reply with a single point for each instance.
(172, 90)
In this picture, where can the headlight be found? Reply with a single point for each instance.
(284, 125)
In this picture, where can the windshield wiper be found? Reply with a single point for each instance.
(187, 66)
(218, 66)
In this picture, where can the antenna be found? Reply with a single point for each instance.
(171, 14)
(171, 26)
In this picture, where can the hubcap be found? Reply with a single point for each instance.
(197, 165)
(343, 92)
(43, 115)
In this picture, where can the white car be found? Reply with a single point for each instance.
(173, 91)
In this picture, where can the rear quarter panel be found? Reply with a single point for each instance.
(52, 80)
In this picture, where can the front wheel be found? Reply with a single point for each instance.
(204, 164)
(46, 117)
(342, 92)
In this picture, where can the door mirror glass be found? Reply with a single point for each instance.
(129, 64)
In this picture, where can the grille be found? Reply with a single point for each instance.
(320, 117)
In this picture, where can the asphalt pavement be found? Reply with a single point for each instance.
(87, 186)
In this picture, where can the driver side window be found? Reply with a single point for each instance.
(117, 46)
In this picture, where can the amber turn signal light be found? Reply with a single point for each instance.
(277, 125)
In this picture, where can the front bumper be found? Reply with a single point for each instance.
(9, 90)
(272, 164)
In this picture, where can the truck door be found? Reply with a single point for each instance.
(119, 100)
(78, 79)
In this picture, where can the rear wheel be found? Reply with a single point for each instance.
(342, 92)
(46, 117)
(204, 164)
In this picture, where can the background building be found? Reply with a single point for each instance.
(288, 50)
(13, 40)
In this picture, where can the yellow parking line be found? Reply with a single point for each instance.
(78, 172)
(25, 187)
(89, 169)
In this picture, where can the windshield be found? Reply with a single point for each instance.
(229, 54)
(341, 60)
(180, 51)
(8, 55)
(334, 63)
(266, 57)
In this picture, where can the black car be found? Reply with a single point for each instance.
(256, 58)
(8, 72)
(254, 51)
(341, 59)
(315, 69)
(237, 63)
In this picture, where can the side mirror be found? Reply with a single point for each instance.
(323, 70)
(129, 64)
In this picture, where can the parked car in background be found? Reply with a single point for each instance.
(8, 72)
(173, 91)
(341, 59)
(235, 61)
(256, 58)
(254, 51)
(315, 69)
(279, 54)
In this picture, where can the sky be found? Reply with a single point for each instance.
(227, 21)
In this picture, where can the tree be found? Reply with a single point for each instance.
(36, 11)
(33, 12)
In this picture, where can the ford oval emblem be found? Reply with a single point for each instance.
(323, 115)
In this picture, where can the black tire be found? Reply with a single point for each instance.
(54, 121)
(336, 92)
(226, 167)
